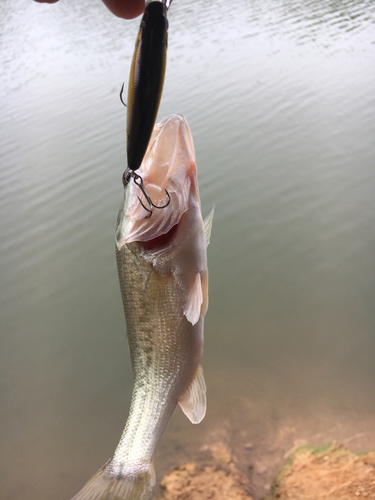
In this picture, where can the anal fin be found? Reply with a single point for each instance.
(193, 402)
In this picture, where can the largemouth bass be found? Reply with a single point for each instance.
(162, 267)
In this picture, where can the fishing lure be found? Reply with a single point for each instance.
(146, 83)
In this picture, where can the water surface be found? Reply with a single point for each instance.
(280, 98)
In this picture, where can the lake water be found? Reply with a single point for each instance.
(280, 98)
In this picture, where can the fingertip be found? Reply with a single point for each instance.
(46, 1)
(126, 9)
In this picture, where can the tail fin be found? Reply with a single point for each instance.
(106, 486)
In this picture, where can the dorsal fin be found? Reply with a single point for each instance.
(193, 402)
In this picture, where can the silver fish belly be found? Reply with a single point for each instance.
(162, 267)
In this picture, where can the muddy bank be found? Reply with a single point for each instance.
(214, 477)
(262, 426)
(331, 473)
(309, 473)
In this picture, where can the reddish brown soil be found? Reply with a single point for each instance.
(332, 473)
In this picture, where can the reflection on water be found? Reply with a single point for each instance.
(280, 99)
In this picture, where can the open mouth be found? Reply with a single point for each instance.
(150, 216)
(160, 241)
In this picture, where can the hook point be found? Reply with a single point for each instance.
(121, 92)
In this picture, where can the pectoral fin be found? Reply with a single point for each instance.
(192, 307)
(193, 403)
(208, 225)
(204, 281)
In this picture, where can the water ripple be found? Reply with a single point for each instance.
(280, 100)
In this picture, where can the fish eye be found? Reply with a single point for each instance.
(126, 177)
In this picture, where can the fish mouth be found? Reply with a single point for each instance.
(160, 242)
(169, 164)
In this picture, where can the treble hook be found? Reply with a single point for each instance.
(121, 92)
(139, 182)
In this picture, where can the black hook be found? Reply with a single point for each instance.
(121, 92)
(139, 182)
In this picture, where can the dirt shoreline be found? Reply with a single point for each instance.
(332, 472)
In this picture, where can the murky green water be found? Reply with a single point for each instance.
(280, 97)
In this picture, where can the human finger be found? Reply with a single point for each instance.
(127, 9)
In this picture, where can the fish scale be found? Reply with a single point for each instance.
(147, 321)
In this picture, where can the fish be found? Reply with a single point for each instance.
(163, 274)
(146, 81)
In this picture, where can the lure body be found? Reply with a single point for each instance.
(146, 81)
